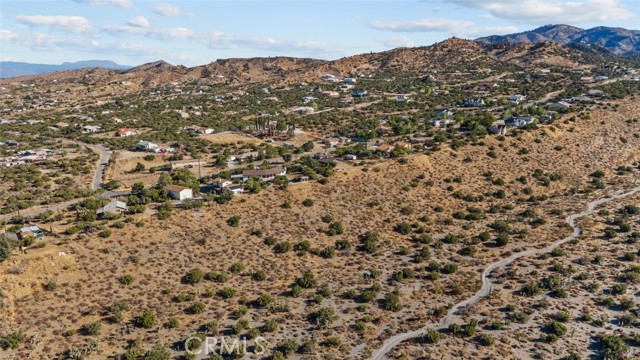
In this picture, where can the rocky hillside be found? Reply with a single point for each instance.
(616, 40)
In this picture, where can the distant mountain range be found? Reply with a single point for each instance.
(12, 69)
(618, 41)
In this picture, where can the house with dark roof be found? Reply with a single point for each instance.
(264, 174)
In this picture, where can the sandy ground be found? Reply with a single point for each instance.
(373, 197)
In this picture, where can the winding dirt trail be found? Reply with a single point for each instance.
(485, 290)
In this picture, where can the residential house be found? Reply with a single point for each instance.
(349, 80)
(30, 231)
(331, 142)
(559, 106)
(146, 146)
(124, 132)
(199, 130)
(600, 78)
(329, 78)
(309, 99)
(331, 93)
(61, 125)
(498, 128)
(440, 122)
(264, 174)
(235, 189)
(350, 157)
(516, 99)
(187, 163)
(114, 207)
(220, 183)
(515, 121)
(473, 102)
(595, 93)
(179, 192)
(384, 148)
(304, 110)
(91, 129)
(345, 87)
(402, 98)
(444, 113)
(359, 93)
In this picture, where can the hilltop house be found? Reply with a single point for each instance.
(264, 174)
(61, 125)
(349, 80)
(179, 192)
(91, 129)
(114, 207)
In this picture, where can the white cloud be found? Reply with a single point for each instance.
(124, 29)
(73, 24)
(139, 21)
(551, 11)
(171, 33)
(395, 41)
(54, 43)
(6, 35)
(421, 25)
(178, 33)
(165, 9)
(123, 4)
(221, 40)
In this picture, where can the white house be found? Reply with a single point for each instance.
(350, 157)
(91, 128)
(124, 132)
(517, 99)
(146, 146)
(179, 192)
(234, 189)
(349, 80)
(304, 110)
(114, 207)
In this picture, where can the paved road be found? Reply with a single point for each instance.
(105, 155)
(485, 290)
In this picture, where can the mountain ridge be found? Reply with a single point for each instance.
(9, 69)
(619, 41)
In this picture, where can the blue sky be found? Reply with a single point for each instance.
(197, 32)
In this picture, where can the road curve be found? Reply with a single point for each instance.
(485, 290)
